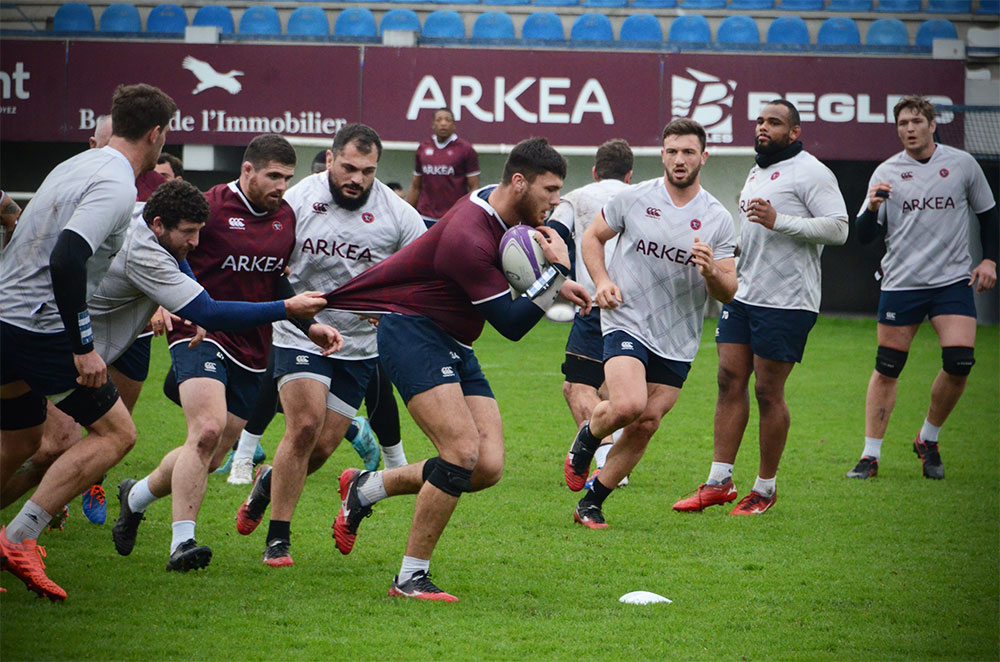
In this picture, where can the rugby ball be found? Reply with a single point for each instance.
(521, 257)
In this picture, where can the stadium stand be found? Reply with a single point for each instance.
(935, 28)
(653, 4)
(555, 3)
(493, 25)
(641, 28)
(506, 2)
(73, 17)
(852, 6)
(217, 15)
(887, 32)
(703, 4)
(899, 6)
(444, 24)
(121, 17)
(949, 6)
(751, 5)
(692, 29)
(603, 3)
(989, 7)
(355, 22)
(592, 26)
(308, 22)
(260, 20)
(399, 19)
(838, 31)
(788, 30)
(543, 25)
(801, 5)
(167, 18)
(737, 29)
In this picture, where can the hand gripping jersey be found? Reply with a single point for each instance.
(332, 245)
(927, 214)
(441, 275)
(91, 194)
(776, 269)
(241, 256)
(443, 170)
(663, 294)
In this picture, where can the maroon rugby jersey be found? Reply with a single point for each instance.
(442, 174)
(440, 275)
(146, 183)
(240, 257)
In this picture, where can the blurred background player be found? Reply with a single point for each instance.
(170, 167)
(652, 322)
(446, 168)
(9, 213)
(346, 222)
(241, 256)
(921, 198)
(584, 363)
(397, 188)
(437, 294)
(63, 247)
(790, 207)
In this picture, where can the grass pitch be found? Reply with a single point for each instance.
(898, 567)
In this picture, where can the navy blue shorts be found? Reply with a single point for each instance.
(906, 307)
(346, 380)
(658, 369)
(775, 334)
(43, 360)
(207, 360)
(585, 339)
(134, 362)
(418, 356)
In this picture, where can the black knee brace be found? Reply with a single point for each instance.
(889, 361)
(428, 468)
(23, 411)
(450, 478)
(957, 361)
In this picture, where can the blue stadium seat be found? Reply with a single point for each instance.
(887, 32)
(167, 18)
(399, 19)
(853, 6)
(543, 25)
(801, 5)
(603, 3)
(260, 19)
(308, 22)
(788, 30)
(703, 4)
(449, 2)
(121, 17)
(838, 31)
(899, 6)
(949, 6)
(555, 3)
(506, 2)
(652, 4)
(991, 7)
(641, 27)
(690, 28)
(215, 15)
(737, 29)
(493, 25)
(751, 4)
(73, 17)
(592, 26)
(355, 22)
(935, 28)
(445, 24)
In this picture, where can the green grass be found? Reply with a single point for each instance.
(893, 568)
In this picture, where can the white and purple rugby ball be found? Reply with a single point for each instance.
(521, 257)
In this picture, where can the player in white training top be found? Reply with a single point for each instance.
(790, 207)
(346, 222)
(922, 199)
(675, 248)
(584, 363)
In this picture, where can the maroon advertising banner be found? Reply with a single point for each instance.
(227, 93)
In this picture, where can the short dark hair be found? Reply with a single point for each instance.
(175, 201)
(362, 134)
(269, 147)
(319, 162)
(614, 160)
(445, 109)
(533, 157)
(684, 127)
(175, 163)
(918, 104)
(395, 186)
(135, 109)
(793, 112)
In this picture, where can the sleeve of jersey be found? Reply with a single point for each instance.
(725, 239)
(566, 233)
(511, 317)
(828, 225)
(97, 214)
(471, 163)
(159, 276)
(411, 225)
(980, 194)
(231, 315)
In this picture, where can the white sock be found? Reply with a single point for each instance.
(929, 432)
(873, 448)
(246, 446)
(412, 566)
(372, 490)
(765, 486)
(601, 454)
(183, 531)
(139, 497)
(28, 524)
(394, 456)
(719, 473)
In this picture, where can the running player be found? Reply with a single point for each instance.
(790, 207)
(921, 198)
(652, 322)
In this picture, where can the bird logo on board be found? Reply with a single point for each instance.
(208, 77)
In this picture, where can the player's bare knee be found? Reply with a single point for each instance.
(957, 361)
(487, 474)
(889, 362)
(769, 395)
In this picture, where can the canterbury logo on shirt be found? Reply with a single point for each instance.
(335, 248)
(261, 263)
(672, 253)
